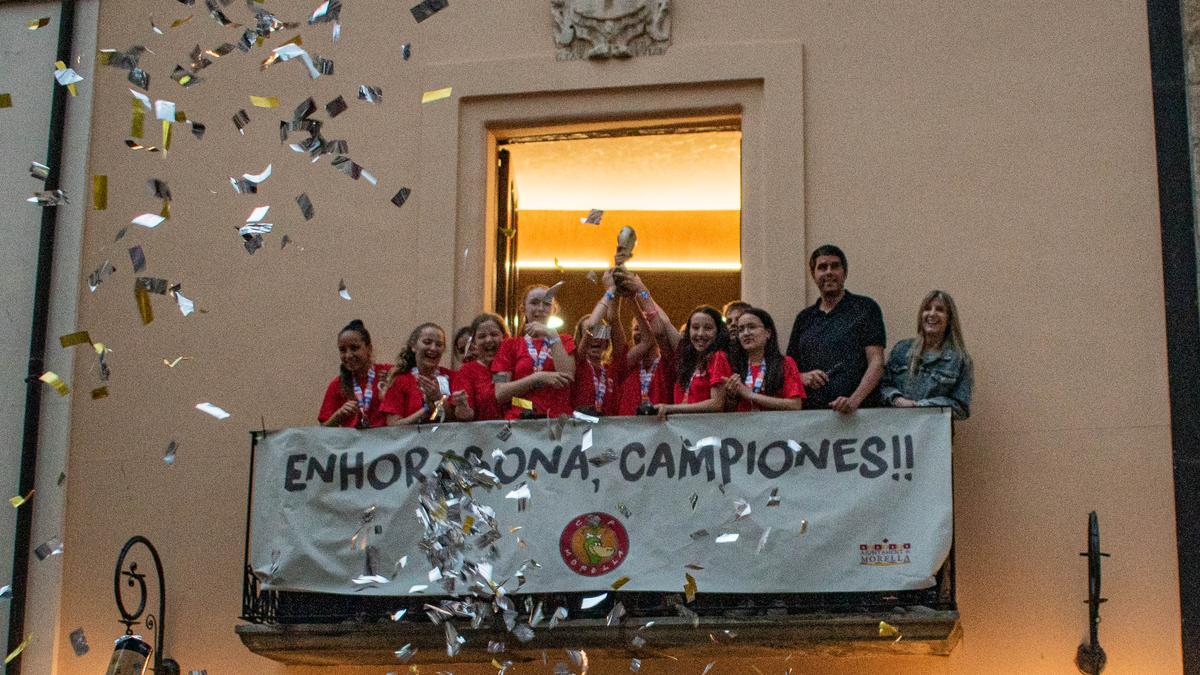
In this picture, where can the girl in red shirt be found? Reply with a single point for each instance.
(763, 379)
(536, 365)
(356, 389)
(700, 360)
(600, 356)
(418, 383)
(649, 374)
(487, 331)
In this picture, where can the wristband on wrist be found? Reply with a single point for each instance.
(609, 295)
(644, 294)
(550, 340)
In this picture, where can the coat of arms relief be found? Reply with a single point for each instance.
(601, 29)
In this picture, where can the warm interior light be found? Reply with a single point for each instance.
(672, 172)
(651, 265)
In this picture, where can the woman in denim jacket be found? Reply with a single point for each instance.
(934, 368)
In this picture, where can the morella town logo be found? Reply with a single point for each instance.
(594, 544)
(884, 554)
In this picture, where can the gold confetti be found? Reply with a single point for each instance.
(52, 379)
(264, 101)
(39, 23)
(143, 303)
(887, 630)
(20, 648)
(99, 393)
(616, 585)
(166, 135)
(522, 403)
(436, 95)
(468, 523)
(19, 500)
(689, 588)
(179, 22)
(76, 338)
(5, 100)
(137, 123)
(100, 192)
(166, 209)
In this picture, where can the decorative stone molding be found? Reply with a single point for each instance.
(601, 29)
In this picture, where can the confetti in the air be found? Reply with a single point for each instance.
(592, 600)
(427, 8)
(342, 290)
(436, 94)
(35, 24)
(211, 409)
(79, 642)
(52, 379)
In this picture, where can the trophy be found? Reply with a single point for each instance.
(626, 240)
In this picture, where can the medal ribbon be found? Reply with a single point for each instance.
(538, 356)
(644, 378)
(600, 383)
(364, 398)
(756, 383)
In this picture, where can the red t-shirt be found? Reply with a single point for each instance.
(584, 391)
(405, 397)
(793, 384)
(476, 379)
(660, 389)
(703, 378)
(513, 357)
(335, 398)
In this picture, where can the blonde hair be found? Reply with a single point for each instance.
(952, 339)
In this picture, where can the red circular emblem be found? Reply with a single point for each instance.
(593, 544)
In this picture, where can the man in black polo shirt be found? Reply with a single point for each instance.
(838, 342)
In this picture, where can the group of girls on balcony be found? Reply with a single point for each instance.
(539, 373)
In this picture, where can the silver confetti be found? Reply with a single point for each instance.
(762, 541)
(635, 665)
(699, 534)
(39, 171)
(774, 500)
(79, 642)
(169, 455)
(741, 509)
(306, 206)
(48, 548)
(614, 617)
(405, 653)
(370, 94)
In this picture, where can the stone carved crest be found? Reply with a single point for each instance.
(601, 29)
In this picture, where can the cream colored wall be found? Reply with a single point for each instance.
(1002, 152)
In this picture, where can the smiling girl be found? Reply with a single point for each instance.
(356, 388)
(763, 378)
(487, 332)
(419, 382)
(537, 365)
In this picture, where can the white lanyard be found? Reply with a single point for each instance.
(644, 378)
(364, 398)
(538, 356)
(600, 383)
(756, 383)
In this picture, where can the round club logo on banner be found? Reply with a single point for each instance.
(593, 544)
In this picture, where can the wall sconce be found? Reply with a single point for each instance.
(132, 654)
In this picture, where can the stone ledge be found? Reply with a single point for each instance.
(924, 632)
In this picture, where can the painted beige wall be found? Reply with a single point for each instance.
(1002, 152)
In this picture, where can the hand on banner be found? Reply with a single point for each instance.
(662, 411)
(901, 402)
(814, 379)
(844, 404)
(735, 388)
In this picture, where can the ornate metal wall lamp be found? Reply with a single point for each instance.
(132, 654)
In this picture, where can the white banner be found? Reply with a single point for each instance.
(767, 502)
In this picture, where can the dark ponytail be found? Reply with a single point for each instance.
(346, 376)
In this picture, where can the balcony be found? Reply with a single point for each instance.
(319, 628)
